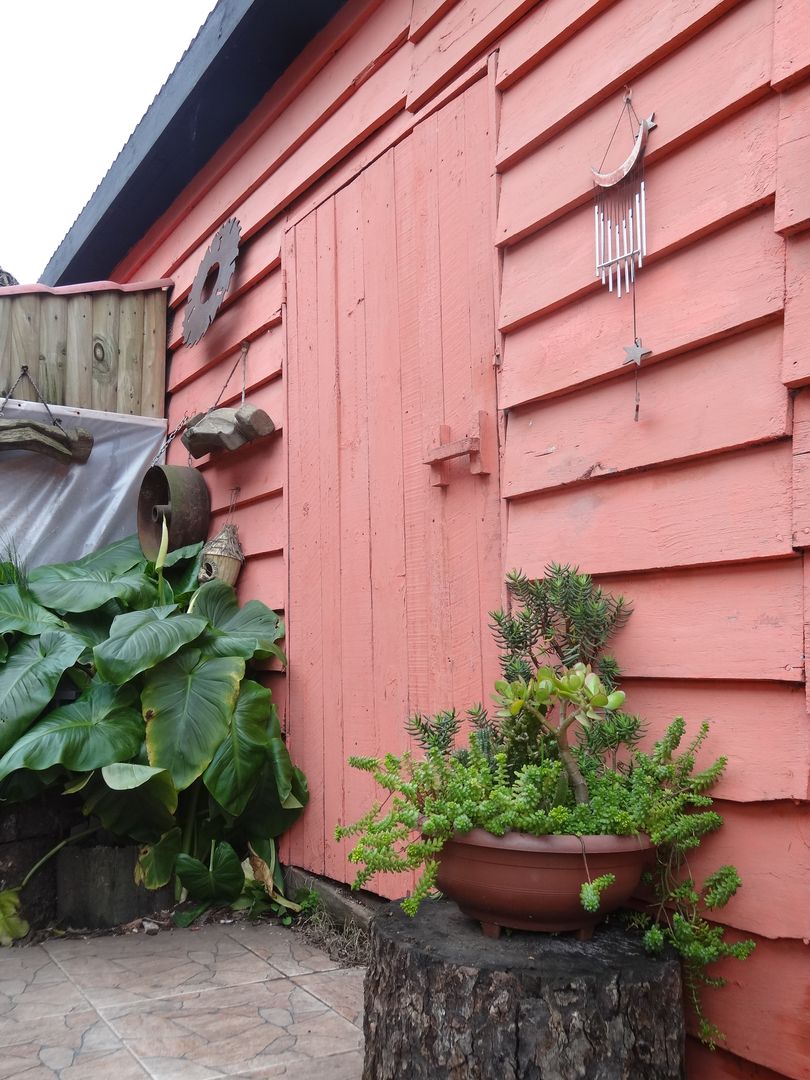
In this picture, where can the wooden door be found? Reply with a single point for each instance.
(394, 563)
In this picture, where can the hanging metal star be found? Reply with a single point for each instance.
(635, 353)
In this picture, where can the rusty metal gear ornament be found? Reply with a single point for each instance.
(211, 281)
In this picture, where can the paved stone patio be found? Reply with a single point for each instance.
(233, 1001)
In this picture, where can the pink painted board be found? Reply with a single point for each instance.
(761, 727)
(689, 194)
(792, 210)
(326, 507)
(791, 43)
(734, 280)
(796, 359)
(724, 396)
(264, 577)
(705, 1064)
(385, 482)
(461, 404)
(429, 610)
(418, 301)
(304, 625)
(763, 1008)
(539, 33)
(358, 721)
(726, 622)
(628, 38)
(464, 31)
(425, 14)
(770, 846)
(262, 525)
(481, 196)
(256, 469)
(696, 87)
(263, 365)
(249, 317)
(688, 514)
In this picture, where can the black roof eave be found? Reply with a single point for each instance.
(239, 53)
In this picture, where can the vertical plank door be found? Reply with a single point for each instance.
(394, 562)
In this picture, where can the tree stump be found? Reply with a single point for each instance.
(444, 1002)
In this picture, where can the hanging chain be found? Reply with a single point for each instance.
(167, 442)
(26, 374)
(241, 359)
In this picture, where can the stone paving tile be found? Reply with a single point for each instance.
(125, 970)
(75, 1046)
(233, 1031)
(32, 986)
(341, 990)
(335, 1067)
(282, 948)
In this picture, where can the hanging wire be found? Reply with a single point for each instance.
(26, 374)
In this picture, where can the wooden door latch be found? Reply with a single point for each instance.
(480, 444)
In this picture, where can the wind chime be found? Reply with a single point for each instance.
(620, 223)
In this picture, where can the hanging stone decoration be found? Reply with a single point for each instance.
(211, 281)
(222, 557)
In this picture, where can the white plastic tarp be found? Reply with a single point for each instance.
(56, 512)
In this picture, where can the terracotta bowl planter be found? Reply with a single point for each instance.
(533, 882)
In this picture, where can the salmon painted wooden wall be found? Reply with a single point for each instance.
(415, 199)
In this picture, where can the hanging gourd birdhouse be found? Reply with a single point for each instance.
(222, 557)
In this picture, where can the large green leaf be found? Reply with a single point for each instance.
(118, 557)
(137, 802)
(232, 775)
(12, 925)
(282, 765)
(264, 815)
(3, 648)
(187, 703)
(248, 631)
(19, 612)
(142, 639)
(98, 728)
(222, 882)
(29, 678)
(155, 864)
(71, 587)
(183, 554)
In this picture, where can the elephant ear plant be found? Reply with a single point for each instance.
(560, 756)
(169, 743)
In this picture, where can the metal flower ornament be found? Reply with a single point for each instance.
(620, 223)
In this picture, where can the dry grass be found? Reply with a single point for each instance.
(345, 944)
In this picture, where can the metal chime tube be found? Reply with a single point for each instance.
(626, 256)
(631, 229)
(596, 238)
(618, 265)
(643, 219)
(610, 253)
(638, 230)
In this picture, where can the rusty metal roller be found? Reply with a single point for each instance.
(179, 494)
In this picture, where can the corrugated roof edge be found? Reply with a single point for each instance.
(185, 75)
(87, 287)
(240, 51)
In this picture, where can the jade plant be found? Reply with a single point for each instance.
(169, 743)
(558, 755)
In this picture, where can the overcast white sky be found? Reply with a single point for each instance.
(76, 76)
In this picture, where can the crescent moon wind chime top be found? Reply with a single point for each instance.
(620, 211)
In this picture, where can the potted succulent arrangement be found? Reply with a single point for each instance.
(551, 815)
(162, 736)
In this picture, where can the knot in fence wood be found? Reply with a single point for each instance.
(444, 1002)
